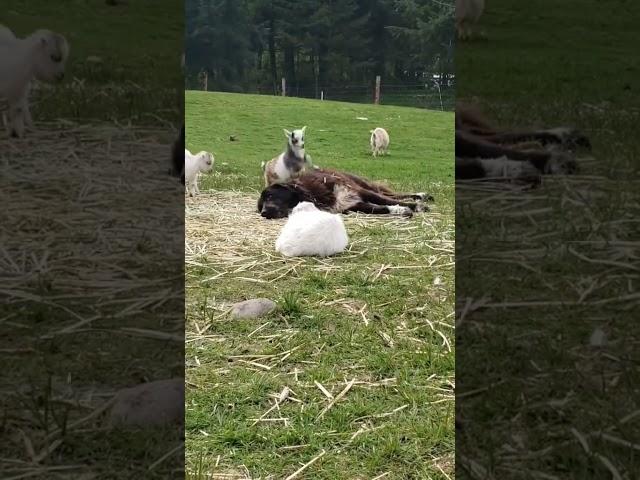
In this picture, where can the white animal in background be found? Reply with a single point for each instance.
(468, 12)
(40, 56)
(201, 162)
(379, 141)
(312, 232)
(289, 164)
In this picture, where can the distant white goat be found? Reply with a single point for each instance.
(312, 232)
(379, 141)
(289, 164)
(468, 13)
(194, 164)
(42, 56)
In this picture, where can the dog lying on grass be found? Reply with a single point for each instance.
(337, 192)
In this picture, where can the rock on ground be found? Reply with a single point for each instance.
(150, 404)
(254, 308)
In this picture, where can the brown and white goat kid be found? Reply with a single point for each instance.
(289, 164)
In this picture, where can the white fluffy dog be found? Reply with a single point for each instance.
(312, 232)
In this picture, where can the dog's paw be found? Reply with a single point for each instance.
(421, 207)
(399, 210)
(424, 197)
(570, 137)
(561, 163)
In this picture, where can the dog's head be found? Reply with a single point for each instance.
(295, 138)
(276, 201)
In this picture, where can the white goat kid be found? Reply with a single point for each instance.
(379, 141)
(193, 165)
(312, 232)
(40, 56)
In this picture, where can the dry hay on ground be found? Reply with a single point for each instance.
(89, 243)
(573, 242)
(78, 200)
(225, 231)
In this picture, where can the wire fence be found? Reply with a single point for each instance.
(435, 94)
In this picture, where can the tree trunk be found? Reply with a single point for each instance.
(289, 64)
(272, 54)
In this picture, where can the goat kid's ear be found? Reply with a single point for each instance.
(304, 128)
(287, 133)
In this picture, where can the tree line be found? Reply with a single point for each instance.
(249, 45)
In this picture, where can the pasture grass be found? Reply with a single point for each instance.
(124, 62)
(374, 322)
(538, 271)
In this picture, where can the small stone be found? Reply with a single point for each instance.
(254, 308)
(598, 338)
(149, 404)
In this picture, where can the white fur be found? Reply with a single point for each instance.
(42, 56)
(399, 210)
(298, 147)
(194, 164)
(505, 168)
(281, 169)
(312, 232)
(379, 141)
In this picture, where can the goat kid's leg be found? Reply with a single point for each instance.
(190, 189)
(28, 119)
(16, 116)
(373, 209)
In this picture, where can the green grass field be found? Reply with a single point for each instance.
(377, 319)
(124, 61)
(538, 271)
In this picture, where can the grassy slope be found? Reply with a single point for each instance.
(335, 138)
(549, 63)
(318, 312)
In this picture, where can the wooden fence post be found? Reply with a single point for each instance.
(284, 87)
(322, 95)
(205, 81)
(376, 98)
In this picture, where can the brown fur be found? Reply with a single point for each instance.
(476, 138)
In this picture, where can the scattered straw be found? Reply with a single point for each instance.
(297, 473)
